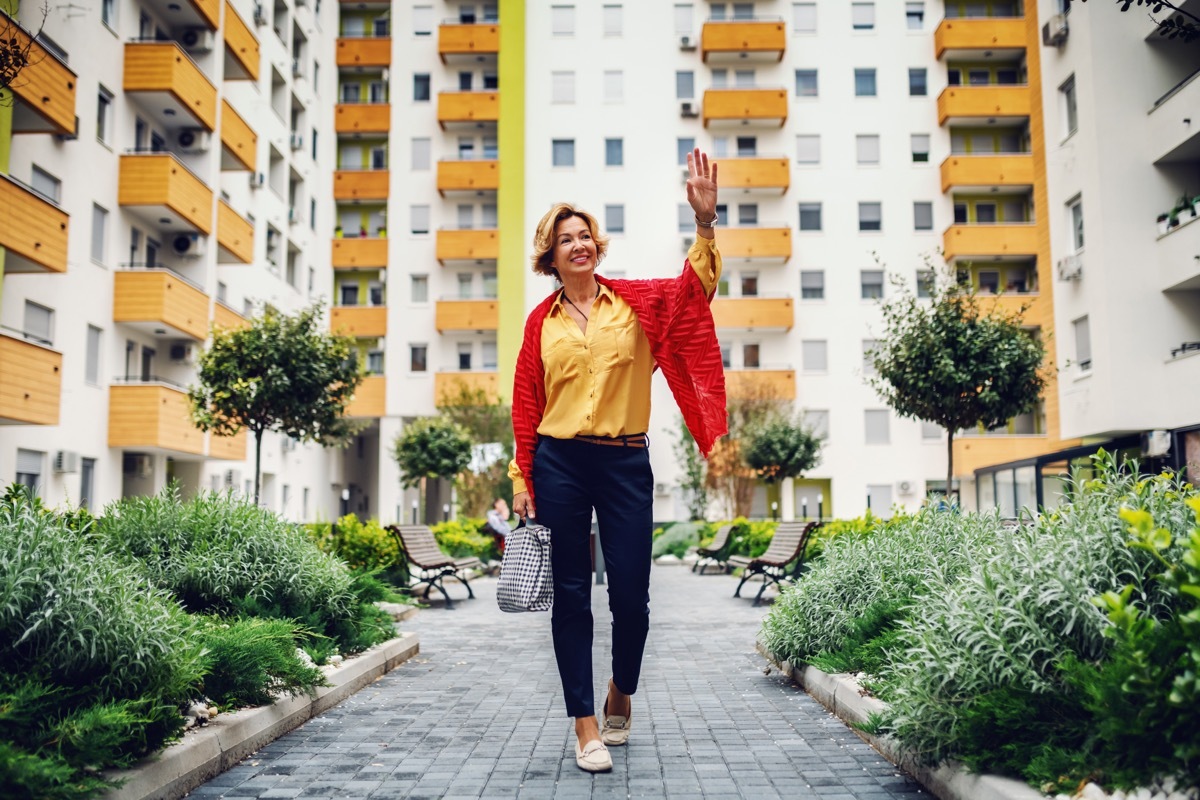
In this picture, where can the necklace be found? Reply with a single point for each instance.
(568, 299)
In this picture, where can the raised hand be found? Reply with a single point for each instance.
(702, 185)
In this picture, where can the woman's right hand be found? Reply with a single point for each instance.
(523, 505)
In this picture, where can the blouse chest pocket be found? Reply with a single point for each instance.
(618, 343)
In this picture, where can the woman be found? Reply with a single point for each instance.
(581, 408)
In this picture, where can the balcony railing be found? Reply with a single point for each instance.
(360, 253)
(962, 34)
(152, 415)
(460, 41)
(1000, 239)
(45, 90)
(468, 110)
(745, 106)
(965, 103)
(743, 40)
(362, 117)
(163, 186)
(160, 298)
(364, 50)
(241, 47)
(468, 176)
(468, 245)
(165, 69)
(370, 398)
(30, 381)
(778, 383)
(449, 385)
(34, 231)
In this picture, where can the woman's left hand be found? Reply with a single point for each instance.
(702, 185)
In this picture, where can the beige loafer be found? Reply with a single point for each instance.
(615, 730)
(593, 757)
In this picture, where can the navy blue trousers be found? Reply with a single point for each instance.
(572, 477)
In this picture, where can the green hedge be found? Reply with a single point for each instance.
(465, 537)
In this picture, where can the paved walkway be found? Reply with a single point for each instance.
(478, 713)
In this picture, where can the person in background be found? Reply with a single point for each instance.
(497, 520)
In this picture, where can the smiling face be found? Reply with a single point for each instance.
(574, 247)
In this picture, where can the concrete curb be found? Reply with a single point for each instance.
(229, 738)
(949, 781)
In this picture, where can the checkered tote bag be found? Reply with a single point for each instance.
(525, 579)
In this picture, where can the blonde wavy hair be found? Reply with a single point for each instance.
(543, 237)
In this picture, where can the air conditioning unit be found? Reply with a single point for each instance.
(297, 141)
(139, 465)
(1155, 444)
(1070, 267)
(687, 42)
(258, 180)
(260, 14)
(687, 108)
(66, 461)
(188, 245)
(193, 140)
(904, 487)
(196, 40)
(184, 352)
(1054, 32)
(72, 136)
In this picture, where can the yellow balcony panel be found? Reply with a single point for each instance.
(44, 93)
(959, 38)
(1010, 303)
(974, 452)
(360, 322)
(743, 41)
(161, 187)
(970, 173)
(755, 176)
(467, 43)
(154, 417)
(157, 298)
(774, 383)
(239, 142)
(741, 107)
(753, 313)
(370, 398)
(30, 382)
(241, 47)
(364, 51)
(362, 118)
(468, 110)
(468, 178)
(228, 448)
(226, 318)
(34, 230)
(165, 77)
(235, 236)
(757, 245)
(980, 241)
(964, 105)
(362, 184)
(468, 245)
(360, 253)
(450, 386)
(466, 315)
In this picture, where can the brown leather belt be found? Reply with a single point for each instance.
(633, 440)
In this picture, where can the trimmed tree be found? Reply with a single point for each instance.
(945, 361)
(280, 373)
(431, 447)
(782, 449)
(488, 423)
(727, 476)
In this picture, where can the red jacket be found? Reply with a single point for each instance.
(675, 314)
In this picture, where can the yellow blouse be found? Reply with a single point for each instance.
(598, 384)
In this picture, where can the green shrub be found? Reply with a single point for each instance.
(251, 661)
(362, 545)
(828, 531)
(464, 537)
(677, 539)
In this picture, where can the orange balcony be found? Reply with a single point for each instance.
(1002, 239)
(466, 315)
(468, 110)
(239, 141)
(740, 107)
(165, 76)
(30, 382)
(156, 298)
(235, 236)
(362, 184)
(964, 104)
(370, 398)
(466, 43)
(226, 318)
(753, 313)
(358, 321)
(45, 91)
(362, 118)
(758, 245)
(162, 187)
(193, 13)
(449, 386)
(360, 253)
(241, 47)
(743, 41)
(755, 176)
(472, 178)
(34, 231)
(228, 448)
(774, 383)
(967, 173)
(364, 51)
(960, 36)
(974, 452)
(152, 416)
(468, 245)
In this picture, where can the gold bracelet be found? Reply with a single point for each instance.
(712, 223)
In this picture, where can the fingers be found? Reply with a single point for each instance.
(691, 164)
(714, 173)
(703, 162)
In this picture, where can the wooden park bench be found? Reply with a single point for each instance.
(717, 552)
(782, 561)
(428, 564)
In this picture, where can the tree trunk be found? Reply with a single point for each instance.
(257, 462)
(950, 465)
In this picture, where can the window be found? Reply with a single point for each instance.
(868, 357)
(375, 293)
(914, 16)
(804, 17)
(421, 154)
(108, 13)
(920, 148)
(930, 431)
(989, 281)
(864, 82)
(466, 285)
(99, 233)
(29, 469)
(421, 87)
(87, 482)
(1083, 343)
(375, 362)
(726, 355)
(817, 422)
(419, 215)
(925, 279)
(39, 323)
(868, 148)
(684, 216)
(562, 153)
(491, 286)
(743, 78)
(876, 424)
(812, 285)
(1075, 214)
(422, 20)
(417, 357)
(103, 114)
(420, 288)
(806, 83)
(871, 282)
(685, 85)
(814, 355)
(879, 500)
(562, 87)
(464, 355)
(862, 16)
(614, 152)
(918, 85)
(488, 356)
(683, 19)
(749, 284)
(614, 86)
(562, 20)
(810, 216)
(683, 146)
(808, 148)
(614, 219)
(870, 216)
(45, 184)
(348, 295)
(612, 20)
(91, 368)
(750, 358)
(1070, 111)
(747, 214)
(922, 216)
(747, 146)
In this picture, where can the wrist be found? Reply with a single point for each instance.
(707, 219)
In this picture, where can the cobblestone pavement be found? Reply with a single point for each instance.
(478, 713)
